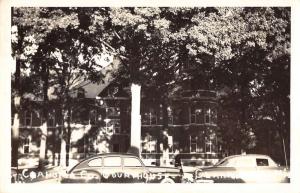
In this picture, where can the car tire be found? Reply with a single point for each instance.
(167, 181)
(94, 177)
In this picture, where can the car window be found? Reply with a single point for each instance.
(112, 161)
(95, 162)
(262, 162)
(132, 162)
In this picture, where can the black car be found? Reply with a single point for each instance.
(119, 168)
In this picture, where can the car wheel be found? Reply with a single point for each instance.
(93, 177)
(167, 181)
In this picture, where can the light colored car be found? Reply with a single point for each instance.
(251, 168)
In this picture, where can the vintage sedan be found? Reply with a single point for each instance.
(119, 168)
(251, 168)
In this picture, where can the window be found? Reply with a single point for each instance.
(149, 117)
(153, 118)
(170, 116)
(150, 146)
(113, 112)
(80, 93)
(208, 147)
(196, 115)
(178, 116)
(112, 126)
(149, 143)
(262, 162)
(193, 116)
(193, 144)
(207, 116)
(117, 130)
(28, 118)
(112, 161)
(95, 162)
(131, 162)
(93, 117)
(146, 118)
(26, 145)
(214, 116)
(51, 119)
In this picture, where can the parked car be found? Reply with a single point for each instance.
(189, 164)
(251, 168)
(120, 168)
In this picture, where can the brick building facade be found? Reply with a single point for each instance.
(102, 124)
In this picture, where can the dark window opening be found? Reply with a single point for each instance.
(28, 118)
(262, 162)
(26, 145)
(207, 119)
(193, 144)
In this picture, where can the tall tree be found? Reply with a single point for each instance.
(25, 39)
(29, 40)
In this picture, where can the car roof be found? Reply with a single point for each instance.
(249, 155)
(101, 155)
(111, 154)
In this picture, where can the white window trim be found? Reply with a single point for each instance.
(193, 143)
(209, 116)
(209, 142)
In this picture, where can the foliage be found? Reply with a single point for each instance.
(244, 53)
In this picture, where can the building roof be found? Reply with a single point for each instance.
(91, 89)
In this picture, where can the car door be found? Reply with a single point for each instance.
(246, 169)
(268, 171)
(134, 170)
(111, 172)
(226, 172)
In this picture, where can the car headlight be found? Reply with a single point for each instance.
(198, 174)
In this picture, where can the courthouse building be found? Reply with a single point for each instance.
(100, 122)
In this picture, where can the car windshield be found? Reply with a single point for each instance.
(222, 162)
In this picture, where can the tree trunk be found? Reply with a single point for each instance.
(15, 133)
(59, 138)
(62, 150)
(16, 121)
(44, 127)
(165, 146)
(64, 134)
(68, 137)
(135, 132)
